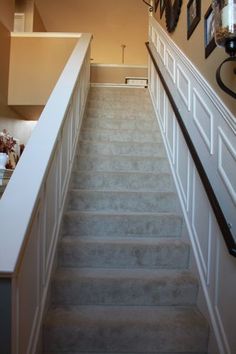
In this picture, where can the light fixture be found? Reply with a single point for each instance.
(149, 5)
(225, 35)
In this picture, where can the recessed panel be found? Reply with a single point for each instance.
(201, 222)
(28, 284)
(203, 119)
(161, 49)
(170, 130)
(51, 210)
(183, 86)
(183, 167)
(227, 164)
(162, 106)
(170, 64)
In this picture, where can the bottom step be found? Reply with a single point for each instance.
(123, 353)
(105, 329)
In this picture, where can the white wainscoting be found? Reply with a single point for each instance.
(32, 206)
(213, 131)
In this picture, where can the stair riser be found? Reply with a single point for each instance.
(119, 163)
(125, 136)
(119, 148)
(142, 225)
(123, 182)
(123, 292)
(123, 201)
(122, 255)
(121, 124)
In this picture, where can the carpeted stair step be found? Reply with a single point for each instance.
(117, 107)
(125, 329)
(121, 149)
(114, 135)
(122, 163)
(121, 113)
(123, 252)
(116, 224)
(123, 181)
(123, 95)
(76, 352)
(110, 201)
(120, 124)
(131, 287)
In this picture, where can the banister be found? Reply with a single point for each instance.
(219, 215)
(20, 198)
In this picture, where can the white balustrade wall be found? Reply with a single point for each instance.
(212, 128)
(31, 208)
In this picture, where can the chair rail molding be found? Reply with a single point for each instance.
(212, 128)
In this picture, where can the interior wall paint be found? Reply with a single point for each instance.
(35, 66)
(4, 62)
(38, 25)
(115, 74)
(112, 24)
(194, 50)
(6, 25)
(7, 8)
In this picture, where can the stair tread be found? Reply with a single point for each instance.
(128, 315)
(123, 173)
(127, 329)
(177, 275)
(126, 240)
(110, 191)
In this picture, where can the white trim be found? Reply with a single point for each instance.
(45, 35)
(115, 85)
(119, 66)
(227, 115)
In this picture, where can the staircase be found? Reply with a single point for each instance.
(122, 284)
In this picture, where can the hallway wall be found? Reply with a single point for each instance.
(112, 24)
(194, 50)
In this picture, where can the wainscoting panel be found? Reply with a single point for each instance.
(170, 130)
(227, 164)
(183, 167)
(212, 129)
(183, 86)
(203, 119)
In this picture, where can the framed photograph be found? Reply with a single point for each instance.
(193, 16)
(162, 7)
(209, 32)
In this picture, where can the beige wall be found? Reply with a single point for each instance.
(113, 23)
(6, 25)
(115, 75)
(35, 65)
(7, 8)
(38, 25)
(194, 50)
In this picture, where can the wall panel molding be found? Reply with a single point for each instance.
(203, 119)
(213, 131)
(227, 164)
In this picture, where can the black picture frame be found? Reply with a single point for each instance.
(209, 39)
(162, 7)
(193, 16)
